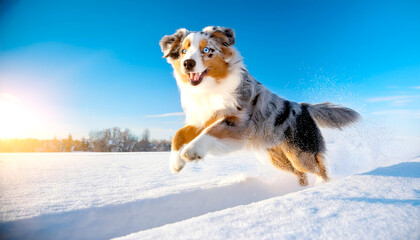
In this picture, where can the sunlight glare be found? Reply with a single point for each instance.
(17, 119)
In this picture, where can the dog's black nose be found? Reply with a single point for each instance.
(189, 64)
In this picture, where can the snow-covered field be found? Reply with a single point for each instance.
(374, 194)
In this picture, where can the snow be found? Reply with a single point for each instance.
(135, 196)
(382, 204)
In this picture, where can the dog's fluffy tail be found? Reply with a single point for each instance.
(332, 116)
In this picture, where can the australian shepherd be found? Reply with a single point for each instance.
(227, 109)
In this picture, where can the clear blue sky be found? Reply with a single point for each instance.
(96, 64)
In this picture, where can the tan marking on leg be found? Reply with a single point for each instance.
(279, 160)
(322, 170)
(305, 162)
(291, 154)
(188, 133)
(184, 136)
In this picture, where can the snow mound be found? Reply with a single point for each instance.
(122, 219)
(381, 204)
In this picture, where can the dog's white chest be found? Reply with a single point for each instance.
(201, 107)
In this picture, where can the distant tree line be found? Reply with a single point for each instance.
(106, 140)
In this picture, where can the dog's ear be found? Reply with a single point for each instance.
(170, 44)
(225, 36)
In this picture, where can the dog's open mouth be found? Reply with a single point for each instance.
(196, 78)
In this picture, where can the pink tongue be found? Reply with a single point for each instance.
(195, 76)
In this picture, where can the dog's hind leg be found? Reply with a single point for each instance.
(279, 160)
(306, 161)
(319, 158)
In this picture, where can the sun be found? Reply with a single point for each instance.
(17, 119)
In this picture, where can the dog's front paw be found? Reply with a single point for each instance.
(176, 163)
(193, 152)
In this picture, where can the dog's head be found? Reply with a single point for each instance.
(199, 56)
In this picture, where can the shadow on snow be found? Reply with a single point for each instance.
(405, 169)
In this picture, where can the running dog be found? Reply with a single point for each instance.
(227, 109)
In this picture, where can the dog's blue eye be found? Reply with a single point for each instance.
(184, 51)
(206, 50)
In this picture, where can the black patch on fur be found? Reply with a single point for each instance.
(306, 135)
(228, 34)
(255, 100)
(288, 133)
(210, 55)
(281, 117)
(239, 108)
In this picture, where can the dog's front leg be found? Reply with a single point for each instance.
(224, 136)
(182, 137)
(198, 148)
